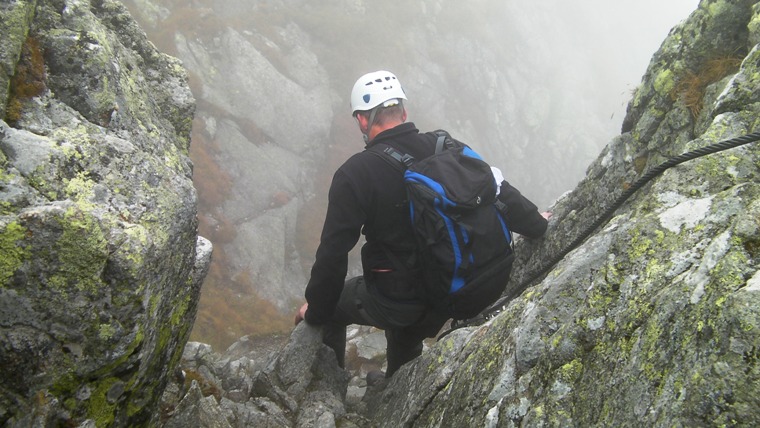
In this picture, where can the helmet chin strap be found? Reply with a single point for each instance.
(370, 122)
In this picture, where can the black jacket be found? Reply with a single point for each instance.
(367, 196)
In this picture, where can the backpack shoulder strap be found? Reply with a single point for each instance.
(403, 158)
(397, 158)
(439, 143)
(444, 141)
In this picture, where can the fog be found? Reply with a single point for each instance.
(550, 76)
(537, 87)
(620, 38)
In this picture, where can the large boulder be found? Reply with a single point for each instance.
(101, 265)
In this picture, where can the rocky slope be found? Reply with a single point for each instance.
(654, 320)
(100, 262)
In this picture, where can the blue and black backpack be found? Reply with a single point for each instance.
(464, 244)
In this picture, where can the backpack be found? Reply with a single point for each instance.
(464, 246)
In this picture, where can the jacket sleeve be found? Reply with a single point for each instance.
(522, 215)
(340, 234)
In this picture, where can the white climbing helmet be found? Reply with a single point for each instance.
(373, 89)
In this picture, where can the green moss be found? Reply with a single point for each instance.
(612, 274)
(65, 384)
(100, 410)
(82, 253)
(651, 339)
(610, 324)
(625, 344)
(180, 310)
(654, 270)
(153, 305)
(106, 331)
(601, 297)
(80, 190)
(556, 340)
(659, 236)
(173, 158)
(71, 152)
(14, 253)
(71, 140)
(639, 245)
(139, 238)
(754, 28)
(664, 83)
(571, 371)
(539, 411)
(5, 177)
(133, 408)
(70, 403)
(728, 274)
(105, 98)
(183, 333)
(15, 21)
(718, 8)
(637, 97)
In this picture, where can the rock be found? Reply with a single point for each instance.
(300, 384)
(197, 410)
(651, 320)
(101, 263)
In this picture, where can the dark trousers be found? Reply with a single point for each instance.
(406, 323)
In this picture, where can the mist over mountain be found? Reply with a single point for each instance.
(537, 88)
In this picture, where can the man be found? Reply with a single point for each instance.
(367, 195)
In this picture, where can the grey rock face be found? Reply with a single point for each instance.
(101, 263)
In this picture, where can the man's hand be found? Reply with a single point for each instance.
(546, 214)
(301, 313)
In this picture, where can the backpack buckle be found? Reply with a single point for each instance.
(406, 159)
